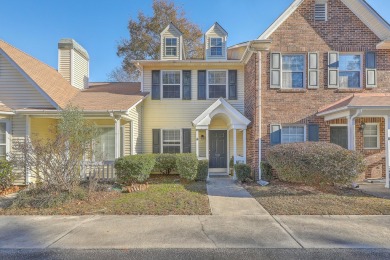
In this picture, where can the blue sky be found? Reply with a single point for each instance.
(36, 26)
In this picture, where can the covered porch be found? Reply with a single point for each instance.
(220, 136)
(361, 122)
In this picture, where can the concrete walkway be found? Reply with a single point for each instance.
(230, 199)
(375, 189)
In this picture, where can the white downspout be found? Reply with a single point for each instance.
(387, 185)
(351, 126)
(259, 106)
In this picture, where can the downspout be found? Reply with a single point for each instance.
(259, 107)
(352, 129)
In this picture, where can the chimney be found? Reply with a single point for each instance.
(73, 63)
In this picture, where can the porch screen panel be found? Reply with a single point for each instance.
(105, 147)
(3, 140)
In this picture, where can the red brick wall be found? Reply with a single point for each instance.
(342, 32)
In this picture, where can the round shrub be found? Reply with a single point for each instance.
(7, 176)
(165, 163)
(243, 171)
(203, 170)
(315, 163)
(266, 171)
(134, 168)
(187, 165)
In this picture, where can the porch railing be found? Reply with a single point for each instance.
(103, 171)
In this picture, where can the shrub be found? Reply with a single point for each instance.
(165, 163)
(266, 171)
(203, 170)
(7, 175)
(315, 163)
(187, 165)
(243, 171)
(134, 168)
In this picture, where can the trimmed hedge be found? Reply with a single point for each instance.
(266, 171)
(165, 163)
(243, 171)
(7, 176)
(315, 163)
(187, 165)
(203, 170)
(134, 168)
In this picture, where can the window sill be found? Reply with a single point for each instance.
(346, 90)
(292, 90)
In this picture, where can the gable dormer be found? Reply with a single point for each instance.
(215, 43)
(171, 43)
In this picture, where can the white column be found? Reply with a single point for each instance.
(244, 144)
(387, 151)
(117, 137)
(234, 150)
(351, 133)
(197, 142)
(207, 145)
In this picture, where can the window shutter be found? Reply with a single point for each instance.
(333, 69)
(314, 133)
(313, 70)
(276, 70)
(276, 134)
(156, 140)
(156, 88)
(186, 84)
(187, 140)
(201, 84)
(371, 70)
(233, 84)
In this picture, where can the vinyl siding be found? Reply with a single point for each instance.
(171, 33)
(64, 61)
(135, 115)
(18, 125)
(80, 71)
(215, 32)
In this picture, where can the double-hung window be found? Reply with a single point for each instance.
(293, 134)
(170, 46)
(3, 140)
(171, 141)
(105, 145)
(217, 81)
(350, 70)
(371, 136)
(293, 70)
(216, 46)
(171, 84)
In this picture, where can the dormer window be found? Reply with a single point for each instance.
(216, 46)
(321, 11)
(170, 46)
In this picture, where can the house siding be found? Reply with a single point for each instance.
(171, 33)
(135, 115)
(215, 32)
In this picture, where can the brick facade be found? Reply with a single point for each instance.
(300, 34)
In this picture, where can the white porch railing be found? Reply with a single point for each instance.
(103, 171)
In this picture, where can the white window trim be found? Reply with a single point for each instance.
(361, 68)
(165, 46)
(377, 137)
(7, 137)
(287, 125)
(304, 82)
(207, 83)
(162, 84)
(211, 55)
(162, 138)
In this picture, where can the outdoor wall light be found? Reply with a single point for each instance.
(362, 126)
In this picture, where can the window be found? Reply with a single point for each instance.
(217, 84)
(371, 136)
(293, 134)
(350, 70)
(170, 46)
(320, 13)
(105, 146)
(171, 84)
(171, 141)
(216, 46)
(293, 71)
(3, 140)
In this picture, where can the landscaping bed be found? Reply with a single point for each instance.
(280, 198)
(165, 195)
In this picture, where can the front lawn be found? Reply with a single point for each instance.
(281, 198)
(166, 195)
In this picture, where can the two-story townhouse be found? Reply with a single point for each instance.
(325, 77)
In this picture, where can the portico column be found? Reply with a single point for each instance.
(207, 145)
(234, 151)
(244, 144)
(351, 133)
(387, 151)
(197, 142)
(117, 136)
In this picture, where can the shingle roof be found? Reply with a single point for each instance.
(367, 100)
(57, 88)
(109, 96)
(4, 108)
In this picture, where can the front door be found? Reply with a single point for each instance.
(339, 135)
(218, 149)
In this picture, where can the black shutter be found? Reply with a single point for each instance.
(276, 134)
(156, 85)
(187, 140)
(201, 84)
(156, 140)
(314, 133)
(186, 84)
(232, 84)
